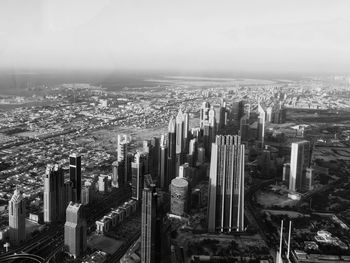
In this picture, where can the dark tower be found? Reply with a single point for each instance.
(75, 176)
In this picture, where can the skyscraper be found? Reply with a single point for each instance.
(54, 205)
(226, 189)
(118, 177)
(75, 230)
(155, 156)
(204, 114)
(212, 127)
(261, 124)
(122, 154)
(148, 225)
(163, 180)
(75, 176)
(179, 196)
(179, 132)
(171, 149)
(219, 116)
(186, 131)
(299, 161)
(17, 214)
(122, 147)
(238, 110)
(137, 174)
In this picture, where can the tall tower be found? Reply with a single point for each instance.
(75, 176)
(137, 174)
(148, 225)
(155, 156)
(179, 132)
(179, 140)
(163, 173)
(122, 147)
(299, 161)
(261, 124)
(54, 195)
(75, 230)
(171, 149)
(212, 126)
(17, 214)
(186, 131)
(122, 154)
(226, 189)
(204, 114)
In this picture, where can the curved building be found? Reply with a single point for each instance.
(178, 190)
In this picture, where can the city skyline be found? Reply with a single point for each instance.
(180, 132)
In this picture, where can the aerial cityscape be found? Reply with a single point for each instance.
(156, 162)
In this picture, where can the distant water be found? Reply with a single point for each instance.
(17, 83)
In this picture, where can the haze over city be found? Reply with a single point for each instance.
(157, 131)
(230, 36)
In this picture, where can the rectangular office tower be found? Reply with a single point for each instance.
(54, 205)
(299, 161)
(75, 230)
(75, 176)
(148, 225)
(226, 189)
(17, 221)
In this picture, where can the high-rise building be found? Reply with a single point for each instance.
(171, 166)
(186, 130)
(102, 183)
(192, 152)
(137, 178)
(75, 176)
(118, 176)
(180, 147)
(261, 124)
(155, 156)
(179, 132)
(122, 154)
(244, 128)
(148, 149)
(184, 170)
(122, 147)
(269, 114)
(54, 194)
(75, 230)
(179, 196)
(219, 116)
(17, 214)
(286, 172)
(309, 179)
(68, 186)
(163, 178)
(226, 185)
(201, 156)
(237, 110)
(299, 161)
(148, 225)
(204, 114)
(212, 126)
(85, 195)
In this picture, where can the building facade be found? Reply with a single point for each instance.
(226, 185)
(17, 214)
(54, 194)
(75, 230)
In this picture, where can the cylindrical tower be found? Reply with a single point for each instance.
(179, 191)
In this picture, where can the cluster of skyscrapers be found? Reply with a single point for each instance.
(161, 177)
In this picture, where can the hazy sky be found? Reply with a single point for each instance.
(232, 35)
